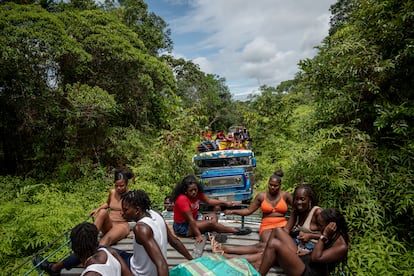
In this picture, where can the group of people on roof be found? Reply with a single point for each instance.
(237, 138)
(312, 242)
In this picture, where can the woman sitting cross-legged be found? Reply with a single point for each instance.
(187, 196)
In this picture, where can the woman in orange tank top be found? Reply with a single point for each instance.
(274, 204)
(108, 216)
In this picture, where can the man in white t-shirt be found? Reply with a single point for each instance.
(151, 236)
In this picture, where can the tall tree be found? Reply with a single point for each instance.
(151, 29)
(32, 41)
(209, 91)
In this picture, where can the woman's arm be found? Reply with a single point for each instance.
(288, 198)
(145, 237)
(254, 205)
(105, 205)
(335, 253)
(193, 226)
(291, 222)
(177, 244)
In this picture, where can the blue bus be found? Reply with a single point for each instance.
(226, 174)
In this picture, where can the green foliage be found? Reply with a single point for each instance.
(150, 27)
(63, 76)
(209, 92)
(378, 253)
(34, 213)
(84, 91)
(345, 168)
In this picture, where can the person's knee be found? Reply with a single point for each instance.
(213, 224)
(277, 232)
(102, 213)
(275, 244)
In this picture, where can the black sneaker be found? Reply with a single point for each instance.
(45, 265)
(243, 231)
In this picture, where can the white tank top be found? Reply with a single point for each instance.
(141, 264)
(111, 268)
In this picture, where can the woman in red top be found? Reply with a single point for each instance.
(187, 196)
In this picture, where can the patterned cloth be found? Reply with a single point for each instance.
(215, 265)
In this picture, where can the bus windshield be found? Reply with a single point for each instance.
(223, 162)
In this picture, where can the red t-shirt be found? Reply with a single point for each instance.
(184, 204)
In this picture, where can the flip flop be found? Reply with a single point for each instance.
(215, 246)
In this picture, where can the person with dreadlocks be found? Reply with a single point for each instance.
(151, 236)
(105, 261)
(303, 224)
(330, 249)
(87, 251)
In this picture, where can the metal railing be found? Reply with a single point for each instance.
(60, 248)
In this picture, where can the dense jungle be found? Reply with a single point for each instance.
(86, 88)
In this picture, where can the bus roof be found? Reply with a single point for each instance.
(223, 154)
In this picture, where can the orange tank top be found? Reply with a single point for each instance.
(267, 208)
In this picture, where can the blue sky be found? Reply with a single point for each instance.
(249, 43)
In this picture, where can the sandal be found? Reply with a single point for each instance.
(243, 231)
(216, 247)
(45, 265)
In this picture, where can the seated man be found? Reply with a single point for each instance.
(167, 213)
(151, 236)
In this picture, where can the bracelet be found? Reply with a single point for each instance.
(323, 239)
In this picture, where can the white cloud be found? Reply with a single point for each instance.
(205, 65)
(254, 42)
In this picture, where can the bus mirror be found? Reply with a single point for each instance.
(253, 162)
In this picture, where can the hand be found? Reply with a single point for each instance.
(301, 252)
(228, 212)
(329, 230)
(303, 237)
(93, 212)
(199, 239)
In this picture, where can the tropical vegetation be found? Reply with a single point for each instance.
(86, 88)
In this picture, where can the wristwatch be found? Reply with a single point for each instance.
(323, 238)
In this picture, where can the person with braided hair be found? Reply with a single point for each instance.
(104, 260)
(330, 249)
(303, 224)
(151, 236)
